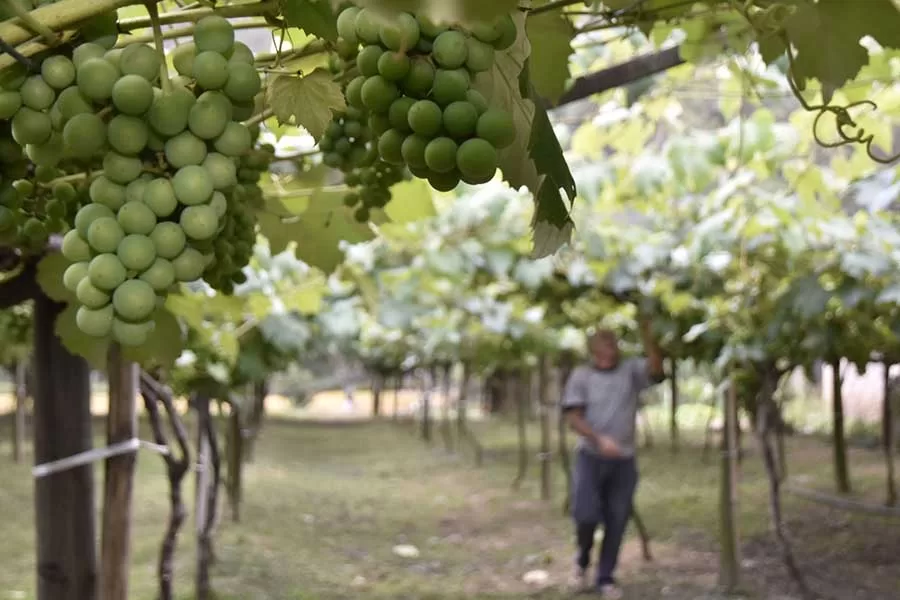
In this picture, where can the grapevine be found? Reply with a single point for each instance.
(349, 145)
(414, 79)
(157, 175)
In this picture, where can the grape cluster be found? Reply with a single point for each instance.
(35, 200)
(233, 247)
(164, 207)
(345, 143)
(32, 204)
(372, 183)
(415, 80)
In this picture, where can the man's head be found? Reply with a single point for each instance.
(604, 348)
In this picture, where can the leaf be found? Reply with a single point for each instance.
(77, 342)
(187, 306)
(50, 277)
(410, 201)
(843, 24)
(441, 10)
(550, 34)
(535, 160)
(306, 298)
(164, 344)
(315, 17)
(318, 231)
(309, 101)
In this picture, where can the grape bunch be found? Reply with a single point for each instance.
(372, 183)
(163, 206)
(233, 247)
(415, 81)
(345, 143)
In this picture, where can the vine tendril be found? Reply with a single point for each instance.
(844, 122)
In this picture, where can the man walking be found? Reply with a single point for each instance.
(600, 402)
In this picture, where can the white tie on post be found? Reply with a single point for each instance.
(96, 454)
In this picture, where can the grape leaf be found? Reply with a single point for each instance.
(315, 17)
(305, 298)
(441, 10)
(535, 159)
(163, 345)
(318, 230)
(410, 201)
(189, 307)
(50, 277)
(843, 24)
(77, 342)
(550, 34)
(309, 101)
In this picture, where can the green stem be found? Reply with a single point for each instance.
(195, 14)
(314, 47)
(32, 23)
(164, 81)
(259, 118)
(182, 32)
(550, 6)
(30, 49)
(58, 16)
(74, 177)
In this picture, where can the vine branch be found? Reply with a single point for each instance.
(32, 23)
(165, 82)
(195, 14)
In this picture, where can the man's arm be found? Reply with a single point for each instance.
(573, 405)
(655, 369)
(577, 423)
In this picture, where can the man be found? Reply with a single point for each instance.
(600, 402)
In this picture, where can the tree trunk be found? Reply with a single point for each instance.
(543, 391)
(176, 469)
(565, 369)
(841, 471)
(256, 417)
(20, 418)
(446, 426)
(462, 424)
(708, 429)
(887, 437)
(235, 462)
(121, 426)
(395, 388)
(673, 414)
(377, 385)
(205, 496)
(729, 553)
(430, 377)
(522, 393)
(64, 501)
(780, 445)
(764, 419)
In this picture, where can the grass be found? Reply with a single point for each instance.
(325, 505)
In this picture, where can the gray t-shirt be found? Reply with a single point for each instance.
(609, 399)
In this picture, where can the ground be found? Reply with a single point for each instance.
(326, 505)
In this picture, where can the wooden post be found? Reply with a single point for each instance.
(729, 552)
(19, 420)
(63, 501)
(121, 426)
(841, 470)
(887, 436)
(673, 415)
(543, 391)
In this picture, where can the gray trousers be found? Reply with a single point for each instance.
(603, 493)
